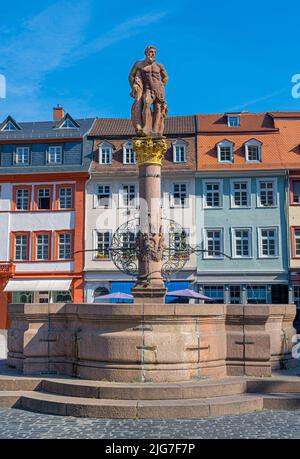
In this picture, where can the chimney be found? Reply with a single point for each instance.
(58, 113)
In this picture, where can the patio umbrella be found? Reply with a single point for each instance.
(188, 293)
(115, 296)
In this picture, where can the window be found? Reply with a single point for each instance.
(268, 242)
(225, 151)
(55, 154)
(9, 126)
(22, 198)
(129, 196)
(179, 151)
(253, 150)
(178, 241)
(100, 291)
(240, 193)
(68, 124)
(128, 241)
(22, 156)
(62, 297)
(235, 294)
(105, 153)
(295, 191)
(242, 242)
(179, 197)
(213, 243)
(102, 244)
(65, 197)
(21, 246)
(233, 121)
(266, 193)
(129, 156)
(103, 196)
(296, 242)
(215, 292)
(42, 246)
(257, 294)
(212, 194)
(64, 246)
(44, 198)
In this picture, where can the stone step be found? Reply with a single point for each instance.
(20, 384)
(146, 391)
(132, 409)
(284, 401)
(273, 386)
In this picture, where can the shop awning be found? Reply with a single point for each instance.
(41, 285)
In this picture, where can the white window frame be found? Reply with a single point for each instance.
(241, 180)
(106, 146)
(56, 147)
(172, 199)
(9, 127)
(253, 143)
(258, 200)
(22, 198)
(96, 199)
(225, 143)
(20, 150)
(22, 246)
(205, 183)
(126, 146)
(294, 239)
(180, 144)
(231, 117)
(66, 187)
(122, 203)
(95, 239)
(205, 239)
(43, 245)
(277, 237)
(234, 239)
(64, 245)
(68, 124)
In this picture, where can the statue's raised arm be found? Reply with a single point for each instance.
(147, 80)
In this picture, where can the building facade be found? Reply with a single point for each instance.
(241, 190)
(112, 198)
(44, 168)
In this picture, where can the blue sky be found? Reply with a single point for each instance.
(220, 55)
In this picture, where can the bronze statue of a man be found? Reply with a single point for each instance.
(147, 80)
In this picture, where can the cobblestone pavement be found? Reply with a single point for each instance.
(16, 423)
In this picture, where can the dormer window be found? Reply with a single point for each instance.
(105, 153)
(225, 151)
(68, 124)
(253, 150)
(179, 151)
(9, 127)
(233, 119)
(129, 156)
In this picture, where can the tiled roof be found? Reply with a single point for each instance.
(249, 122)
(46, 130)
(106, 127)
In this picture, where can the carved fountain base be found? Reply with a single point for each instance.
(147, 342)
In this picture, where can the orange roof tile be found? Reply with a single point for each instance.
(280, 144)
(249, 122)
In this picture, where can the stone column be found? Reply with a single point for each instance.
(150, 241)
